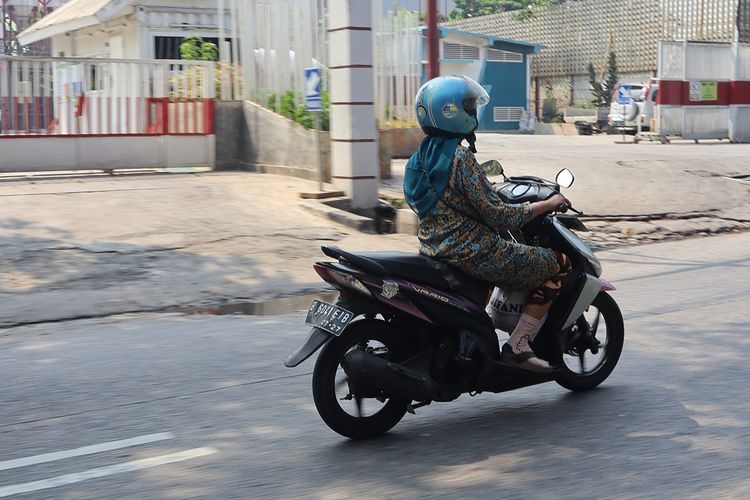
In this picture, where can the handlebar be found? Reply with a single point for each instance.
(565, 207)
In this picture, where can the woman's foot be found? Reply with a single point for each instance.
(523, 357)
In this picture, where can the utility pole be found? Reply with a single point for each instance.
(433, 36)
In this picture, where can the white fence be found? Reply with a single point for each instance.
(398, 65)
(279, 38)
(105, 96)
(80, 114)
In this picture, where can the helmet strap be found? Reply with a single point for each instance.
(471, 139)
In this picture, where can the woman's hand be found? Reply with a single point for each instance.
(555, 202)
(549, 205)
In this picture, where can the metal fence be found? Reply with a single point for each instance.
(398, 65)
(578, 33)
(279, 38)
(75, 96)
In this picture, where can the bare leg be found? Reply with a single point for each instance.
(517, 349)
(537, 311)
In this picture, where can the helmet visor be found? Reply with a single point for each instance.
(476, 92)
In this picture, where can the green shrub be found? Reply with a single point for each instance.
(584, 103)
(303, 116)
(271, 102)
(287, 105)
(299, 113)
(325, 116)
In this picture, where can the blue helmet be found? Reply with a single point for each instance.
(447, 105)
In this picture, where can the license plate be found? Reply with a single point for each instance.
(328, 317)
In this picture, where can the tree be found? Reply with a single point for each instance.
(612, 76)
(194, 48)
(531, 8)
(463, 8)
(602, 88)
(524, 9)
(597, 88)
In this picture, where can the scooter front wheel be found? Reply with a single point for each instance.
(583, 369)
(352, 414)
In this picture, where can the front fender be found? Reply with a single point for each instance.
(314, 341)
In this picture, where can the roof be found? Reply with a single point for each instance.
(492, 40)
(74, 15)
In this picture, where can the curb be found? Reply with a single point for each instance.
(406, 221)
(364, 224)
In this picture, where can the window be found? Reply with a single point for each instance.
(168, 47)
(496, 55)
(458, 51)
(506, 114)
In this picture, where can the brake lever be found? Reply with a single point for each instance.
(564, 208)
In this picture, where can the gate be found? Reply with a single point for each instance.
(75, 113)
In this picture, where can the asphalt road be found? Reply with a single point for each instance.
(165, 406)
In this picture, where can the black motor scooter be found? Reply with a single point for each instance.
(408, 330)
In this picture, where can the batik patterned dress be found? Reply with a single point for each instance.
(450, 231)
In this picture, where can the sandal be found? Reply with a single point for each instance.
(526, 360)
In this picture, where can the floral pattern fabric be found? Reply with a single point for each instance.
(451, 231)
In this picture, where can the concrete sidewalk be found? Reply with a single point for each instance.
(97, 246)
(94, 246)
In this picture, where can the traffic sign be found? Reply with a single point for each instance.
(312, 89)
(623, 94)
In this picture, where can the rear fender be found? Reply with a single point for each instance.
(315, 341)
(317, 338)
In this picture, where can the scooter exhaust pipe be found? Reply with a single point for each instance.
(368, 371)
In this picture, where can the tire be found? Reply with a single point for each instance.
(324, 383)
(610, 351)
(633, 112)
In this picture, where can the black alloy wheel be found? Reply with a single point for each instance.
(582, 368)
(341, 408)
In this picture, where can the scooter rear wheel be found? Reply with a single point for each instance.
(581, 369)
(347, 415)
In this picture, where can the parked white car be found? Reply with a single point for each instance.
(625, 116)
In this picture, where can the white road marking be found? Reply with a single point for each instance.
(86, 450)
(77, 477)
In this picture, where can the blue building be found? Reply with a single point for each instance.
(500, 65)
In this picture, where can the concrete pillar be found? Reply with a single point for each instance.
(354, 151)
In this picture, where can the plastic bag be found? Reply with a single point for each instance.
(506, 307)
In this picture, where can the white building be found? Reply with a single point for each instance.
(132, 29)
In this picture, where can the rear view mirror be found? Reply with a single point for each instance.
(565, 178)
(492, 167)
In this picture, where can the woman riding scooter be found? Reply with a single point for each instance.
(461, 217)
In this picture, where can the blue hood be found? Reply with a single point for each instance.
(425, 181)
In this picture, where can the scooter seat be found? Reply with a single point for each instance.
(417, 268)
